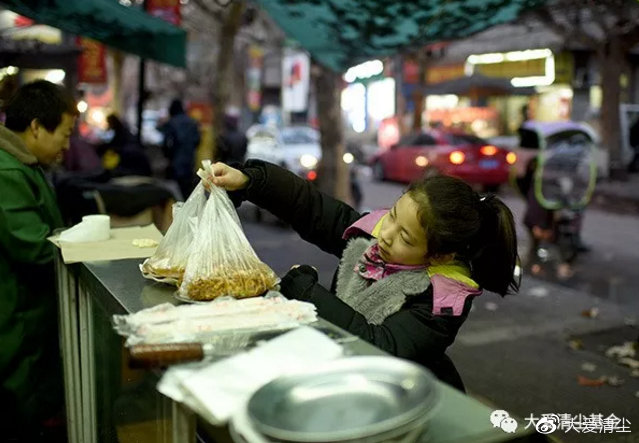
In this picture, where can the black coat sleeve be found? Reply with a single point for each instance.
(316, 217)
(413, 332)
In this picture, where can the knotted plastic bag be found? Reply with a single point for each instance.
(222, 261)
(170, 258)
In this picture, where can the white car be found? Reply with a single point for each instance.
(151, 136)
(296, 148)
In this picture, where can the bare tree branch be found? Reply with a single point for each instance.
(631, 38)
(214, 13)
(566, 31)
(599, 12)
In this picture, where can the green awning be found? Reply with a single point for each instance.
(341, 33)
(128, 29)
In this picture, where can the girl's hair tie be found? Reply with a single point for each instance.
(486, 198)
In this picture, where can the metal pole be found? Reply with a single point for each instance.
(141, 93)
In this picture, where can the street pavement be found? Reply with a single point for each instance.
(524, 353)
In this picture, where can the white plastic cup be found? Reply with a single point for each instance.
(100, 226)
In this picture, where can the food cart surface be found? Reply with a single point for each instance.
(107, 399)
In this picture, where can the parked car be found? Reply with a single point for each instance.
(466, 156)
(535, 136)
(151, 135)
(296, 148)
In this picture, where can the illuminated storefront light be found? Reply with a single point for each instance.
(511, 57)
(55, 76)
(364, 70)
(545, 80)
(381, 99)
(9, 70)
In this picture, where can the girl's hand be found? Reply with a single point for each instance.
(228, 178)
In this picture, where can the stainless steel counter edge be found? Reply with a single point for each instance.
(118, 286)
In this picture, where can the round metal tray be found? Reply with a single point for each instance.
(346, 399)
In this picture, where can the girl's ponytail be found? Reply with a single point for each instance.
(493, 256)
(479, 230)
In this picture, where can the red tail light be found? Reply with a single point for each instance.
(311, 175)
(456, 157)
(488, 150)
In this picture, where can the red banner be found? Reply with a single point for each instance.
(254, 78)
(410, 72)
(202, 112)
(167, 10)
(91, 62)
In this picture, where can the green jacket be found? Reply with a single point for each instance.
(29, 350)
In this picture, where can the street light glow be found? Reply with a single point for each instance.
(82, 106)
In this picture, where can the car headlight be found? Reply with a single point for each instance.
(308, 161)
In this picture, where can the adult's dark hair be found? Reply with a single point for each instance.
(479, 229)
(230, 122)
(176, 108)
(115, 123)
(40, 100)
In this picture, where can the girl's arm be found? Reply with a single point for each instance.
(413, 333)
(316, 217)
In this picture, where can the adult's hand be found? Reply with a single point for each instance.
(229, 178)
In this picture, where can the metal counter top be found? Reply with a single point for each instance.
(119, 288)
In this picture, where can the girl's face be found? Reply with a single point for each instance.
(402, 240)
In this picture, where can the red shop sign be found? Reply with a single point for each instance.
(167, 10)
(92, 61)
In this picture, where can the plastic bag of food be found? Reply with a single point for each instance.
(222, 261)
(169, 261)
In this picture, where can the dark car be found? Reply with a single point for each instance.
(462, 155)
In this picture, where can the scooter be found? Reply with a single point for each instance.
(564, 245)
(563, 181)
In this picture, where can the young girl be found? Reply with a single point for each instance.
(408, 275)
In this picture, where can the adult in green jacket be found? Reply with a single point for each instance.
(38, 122)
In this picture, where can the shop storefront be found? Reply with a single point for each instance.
(536, 79)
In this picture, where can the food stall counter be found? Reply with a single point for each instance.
(107, 401)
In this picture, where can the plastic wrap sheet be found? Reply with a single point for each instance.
(226, 322)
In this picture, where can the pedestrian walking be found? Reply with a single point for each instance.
(408, 275)
(39, 121)
(181, 139)
(123, 155)
(232, 143)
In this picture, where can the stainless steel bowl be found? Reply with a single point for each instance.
(348, 399)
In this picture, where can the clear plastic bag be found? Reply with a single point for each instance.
(171, 256)
(222, 262)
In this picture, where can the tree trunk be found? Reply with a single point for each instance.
(224, 79)
(418, 95)
(333, 174)
(117, 58)
(611, 59)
